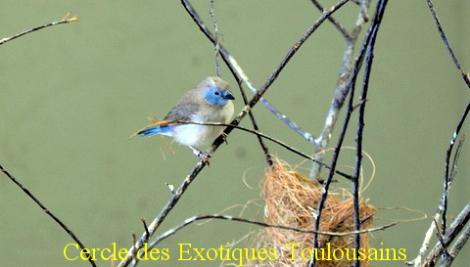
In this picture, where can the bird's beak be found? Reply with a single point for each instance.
(228, 95)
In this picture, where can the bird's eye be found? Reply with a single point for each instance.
(217, 93)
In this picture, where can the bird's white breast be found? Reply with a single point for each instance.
(199, 135)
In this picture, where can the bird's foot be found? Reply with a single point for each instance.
(204, 156)
(224, 137)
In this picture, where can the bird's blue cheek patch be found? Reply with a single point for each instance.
(211, 96)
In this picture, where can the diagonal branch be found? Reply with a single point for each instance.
(174, 199)
(465, 76)
(49, 213)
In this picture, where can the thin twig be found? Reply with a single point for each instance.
(67, 18)
(216, 35)
(447, 172)
(174, 199)
(145, 227)
(265, 136)
(194, 219)
(341, 29)
(465, 76)
(49, 213)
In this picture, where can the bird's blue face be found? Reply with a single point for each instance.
(217, 97)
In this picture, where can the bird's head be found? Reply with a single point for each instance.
(215, 91)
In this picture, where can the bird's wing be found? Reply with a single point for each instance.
(183, 111)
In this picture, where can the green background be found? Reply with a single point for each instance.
(71, 95)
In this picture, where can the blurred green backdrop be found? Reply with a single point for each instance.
(71, 95)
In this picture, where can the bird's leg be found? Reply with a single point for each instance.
(204, 156)
(224, 137)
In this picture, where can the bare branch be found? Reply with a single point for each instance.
(67, 18)
(465, 76)
(49, 213)
(453, 231)
(194, 219)
(341, 29)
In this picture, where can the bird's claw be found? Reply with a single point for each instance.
(204, 157)
(224, 137)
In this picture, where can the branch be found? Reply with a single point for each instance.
(219, 140)
(454, 229)
(49, 213)
(67, 18)
(265, 136)
(194, 219)
(341, 29)
(457, 247)
(465, 76)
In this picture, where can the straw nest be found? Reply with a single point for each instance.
(290, 199)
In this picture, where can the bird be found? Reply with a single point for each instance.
(211, 101)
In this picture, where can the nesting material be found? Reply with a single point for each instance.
(290, 199)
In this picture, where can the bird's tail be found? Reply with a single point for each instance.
(158, 127)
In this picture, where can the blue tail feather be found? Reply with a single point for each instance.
(153, 131)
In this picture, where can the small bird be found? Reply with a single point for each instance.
(210, 101)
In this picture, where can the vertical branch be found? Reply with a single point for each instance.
(367, 48)
(216, 35)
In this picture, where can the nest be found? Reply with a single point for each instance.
(290, 199)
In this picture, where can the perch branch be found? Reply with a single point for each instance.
(219, 140)
(67, 18)
(265, 136)
(48, 212)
